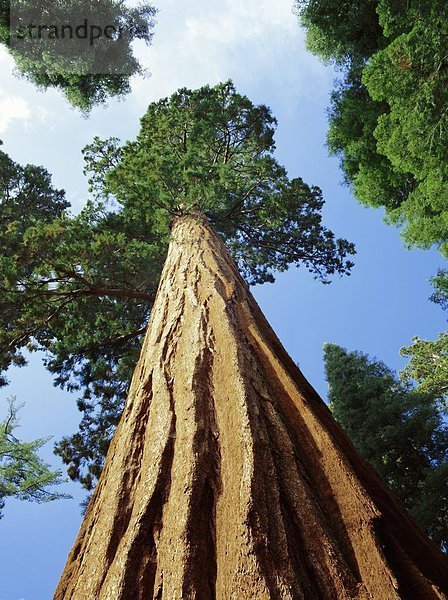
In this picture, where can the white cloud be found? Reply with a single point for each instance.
(13, 108)
(5, 58)
(18, 99)
(256, 41)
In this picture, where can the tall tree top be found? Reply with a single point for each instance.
(398, 429)
(211, 150)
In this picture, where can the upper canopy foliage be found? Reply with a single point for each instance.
(82, 48)
(341, 31)
(389, 117)
(212, 150)
(81, 287)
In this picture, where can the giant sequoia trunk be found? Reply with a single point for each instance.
(227, 477)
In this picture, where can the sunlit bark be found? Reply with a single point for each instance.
(227, 477)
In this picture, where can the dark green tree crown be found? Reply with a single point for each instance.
(388, 117)
(212, 150)
(87, 70)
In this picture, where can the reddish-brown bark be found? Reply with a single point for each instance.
(227, 477)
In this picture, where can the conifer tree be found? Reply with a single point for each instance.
(428, 359)
(398, 429)
(23, 473)
(81, 287)
(388, 114)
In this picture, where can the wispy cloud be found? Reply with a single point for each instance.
(197, 43)
(18, 99)
(13, 108)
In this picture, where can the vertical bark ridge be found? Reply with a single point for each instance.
(200, 530)
(227, 477)
(305, 521)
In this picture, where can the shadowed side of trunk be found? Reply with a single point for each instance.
(227, 476)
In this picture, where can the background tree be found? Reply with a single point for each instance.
(428, 363)
(388, 117)
(23, 474)
(399, 430)
(81, 287)
(26, 198)
(87, 70)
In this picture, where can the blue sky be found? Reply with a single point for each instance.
(377, 309)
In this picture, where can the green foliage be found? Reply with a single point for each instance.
(353, 121)
(23, 474)
(87, 71)
(428, 365)
(340, 30)
(26, 199)
(80, 288)
(399, 430)
(212, 150)
(428, 362)
(389, 117)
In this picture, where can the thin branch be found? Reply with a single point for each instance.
(91, 291)
(242, 200)
(112, 342)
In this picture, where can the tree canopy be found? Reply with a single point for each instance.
(398, 429)
(81, 48)
(23, 474)
(80, 287)
(388, 116)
